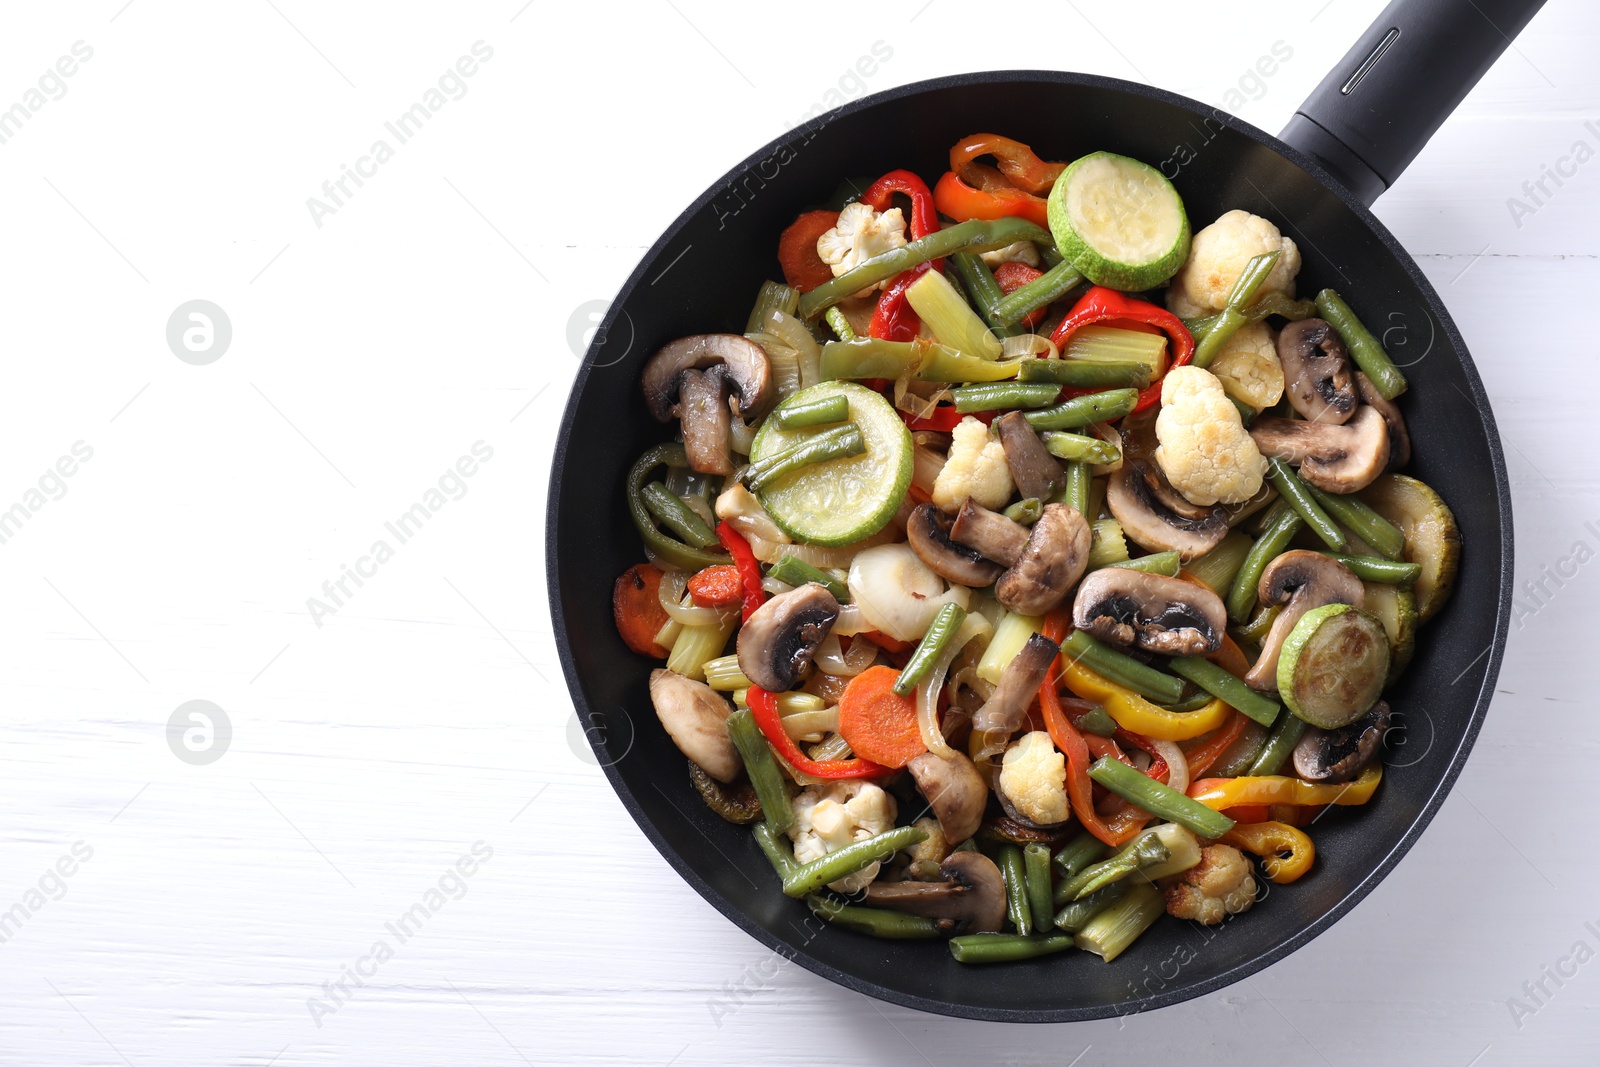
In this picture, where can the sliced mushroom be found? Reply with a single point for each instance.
(777, 642)
(1004, 711)
(1399, 439)
(687, 379)
(1316, 372)
(1337, 459)
(1157, 517)
(928, 532)
(1150, 611)
(1052, 560)
(1299, 580)
(696, 718)
(954, 790)
(1035, 471)
(989, 532)
(971, 898)
(1339, 755)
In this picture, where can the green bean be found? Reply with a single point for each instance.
(840, 325)
(762, 768)
(1075, 489)
(1226, 687)
(791, 570)
(1378, 569)
(1247, 414)
(1082, 410)
(1026, 511)
(839, 443)
(1167, 563)
(1361, 520)
(1142, 853)
(1077, 913)
(984, 290)
(669, 549)
(1017, 908)
(1123, 670)
(1077, 446)
(824, 412)
(975, 235)
(776, 847)
(1097, 721)
(1005, 948)
(1280, 743)
(842, 863)
(940, 633)
(1050, 285)
(1362, 346)
(992, 396)
(1233, 316)
(1274, 303)
(1086, 373)
(1159, 799)
(878, 922)
(670, 510)
(1036, 872)
(1291, 488)
(1199, 699)
(1078, 853)
(1232, 766)
(773, 296)
(1242, 597)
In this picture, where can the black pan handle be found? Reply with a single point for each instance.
(1379, 105)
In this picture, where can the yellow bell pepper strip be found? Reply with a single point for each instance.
(1270, 840)
(1136, 714)
(1222, 793)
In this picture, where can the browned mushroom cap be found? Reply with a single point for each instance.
(1337, 459)
(777, 642)
(1052, 560)
(990, 533)
(1157, 517)
(928, 532)
(1316, 372)
(1299, 580)
(1399, 439)
(955, 791)
(1151, 611)
(696, 718)
(746, 363)
(971, 898)
(1339, 755)
(707, 422)
(1035, 471)
(1004, 711)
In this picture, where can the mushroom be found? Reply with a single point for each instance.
(1299, 580)
(1337, 459)
(1005, 709)
(1399, 439)
(686, 380)
(777, 641)
(1339, 755)
(1157, 517)
(928, 532)
(954, 790)
(1151, 611)
(970, 898)
(1052, 560)
(696, 718)
(1035, 471)
(989, 532)
(1316, 372)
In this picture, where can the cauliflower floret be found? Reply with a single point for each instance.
(926, 855)
(1221, 884)
(976, 467)
(1217, 255)
(1248, 366)
(829, 817)
(1033, 776)
(860, 234)
(1205, 451)
(1015, 252)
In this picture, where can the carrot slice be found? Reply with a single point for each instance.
(717, 587)
(879, 724)
(797, 250)
(636, 606)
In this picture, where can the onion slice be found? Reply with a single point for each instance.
(974, 625)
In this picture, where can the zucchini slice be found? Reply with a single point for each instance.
(1119, 221)
(1396, 607)
(1333, 665)
(1432, 538)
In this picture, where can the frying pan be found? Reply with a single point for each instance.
(1347, 143)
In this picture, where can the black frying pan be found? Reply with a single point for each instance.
(1350, 140)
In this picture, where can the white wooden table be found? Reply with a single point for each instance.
(418, 716)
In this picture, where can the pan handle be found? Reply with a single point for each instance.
(1379, 105)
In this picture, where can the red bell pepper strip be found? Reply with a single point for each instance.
(893, 320)
(1158, 768)
(961, 202)
(1112, 308)
(764, 710)
(749, 569)
(1018, 163)
(1013, 276)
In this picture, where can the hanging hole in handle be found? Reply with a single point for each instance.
(1371, 61)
